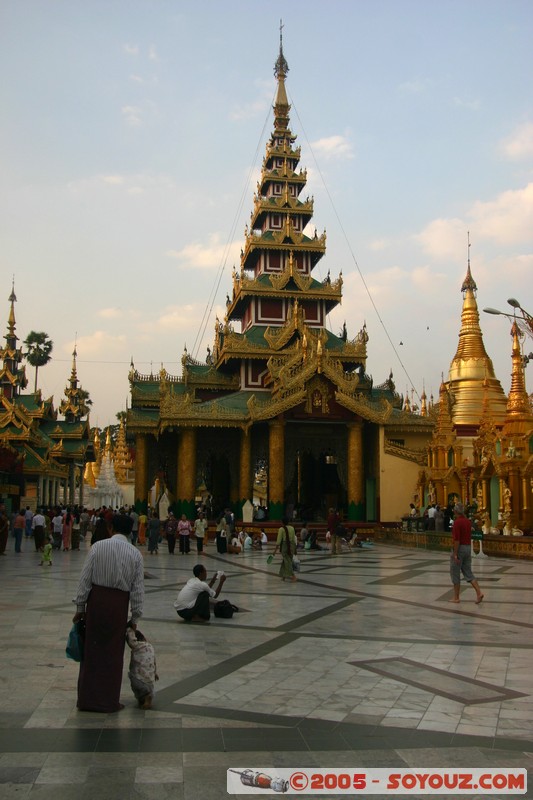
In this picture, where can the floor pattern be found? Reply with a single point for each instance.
(361, 663)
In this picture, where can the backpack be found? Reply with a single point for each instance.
(224, 609)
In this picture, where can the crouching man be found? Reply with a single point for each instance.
(192, 602)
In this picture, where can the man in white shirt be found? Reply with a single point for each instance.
(38, 525)
(192, 602)
(112, 579)
(200, 530)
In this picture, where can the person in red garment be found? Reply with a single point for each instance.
(111, 580)
(461, 558)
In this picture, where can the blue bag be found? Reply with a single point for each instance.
(75, 641)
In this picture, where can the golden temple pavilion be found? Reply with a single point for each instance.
(42, 458)
(280, 399)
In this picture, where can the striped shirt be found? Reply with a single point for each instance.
(115, 564)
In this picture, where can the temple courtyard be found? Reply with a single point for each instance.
(363, 663)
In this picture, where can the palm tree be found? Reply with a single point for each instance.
(85, 401)
(38, 350)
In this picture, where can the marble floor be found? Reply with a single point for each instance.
(363, 663)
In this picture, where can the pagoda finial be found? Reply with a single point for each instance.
(281, 67)
(12, 299)
(469, 282)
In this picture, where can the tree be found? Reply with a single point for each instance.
(85, 401)
(38, 350)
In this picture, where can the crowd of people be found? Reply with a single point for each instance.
(110, 595)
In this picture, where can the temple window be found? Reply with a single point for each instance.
(277, 188)
(275, 220)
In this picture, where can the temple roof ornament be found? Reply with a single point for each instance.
(75, 406)
(12, 374)
(519, 417)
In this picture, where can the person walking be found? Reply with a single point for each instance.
(154, 532)
(38, 525)
(18, 529)
(184, 532)
(143, 522)
(200, 531)
(286, 545)
(222, 535)
(171, 528)
(461, 558)
(66, 531)
(4, 529)
(28, 516)
(111, 581)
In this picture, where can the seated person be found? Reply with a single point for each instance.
(248, 543)
(234, 546)
(264, 539)
(256, 541)
(192, 602)
(309, 536)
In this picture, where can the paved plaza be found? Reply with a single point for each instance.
(362, 663)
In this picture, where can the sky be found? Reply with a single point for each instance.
(131, 142)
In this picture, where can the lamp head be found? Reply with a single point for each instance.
(492, 311)
(514, 302)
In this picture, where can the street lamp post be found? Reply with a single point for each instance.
(523, 319)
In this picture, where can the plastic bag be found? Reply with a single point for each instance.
(75, 641)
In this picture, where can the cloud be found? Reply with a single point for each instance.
(520, 143)
(331, 147)
(151, 81)
(471, 105)
(443, 238)
(506, 220)
(416, 86)
(115, 180)
(208, 256)
(378, 244)
(132, 115)
(110, 313)
(99, 343)
(152, 53)
(131, 49)
(256, 106)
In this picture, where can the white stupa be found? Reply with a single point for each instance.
(107, 491)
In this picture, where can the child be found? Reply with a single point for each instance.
(46, 557)
(143, 669)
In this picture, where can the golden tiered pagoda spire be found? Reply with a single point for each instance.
(121, 455)
(12, 375)
(471, 366)
(75, 406)
(519, 419)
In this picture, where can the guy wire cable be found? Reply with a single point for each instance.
(216, 284)
(352, 253)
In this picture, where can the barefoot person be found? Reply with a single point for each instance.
(461, 558)
(112, 580)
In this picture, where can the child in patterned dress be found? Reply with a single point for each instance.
(46, 555)
(143, 669)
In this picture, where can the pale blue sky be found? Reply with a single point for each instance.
(130, 129)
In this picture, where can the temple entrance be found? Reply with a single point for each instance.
(315, 470)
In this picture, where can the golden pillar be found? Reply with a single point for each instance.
(245, 477)
(141, 467)
(355, 471)
(276, 468)
(186, 489)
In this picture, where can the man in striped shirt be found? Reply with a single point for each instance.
(111, 580)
